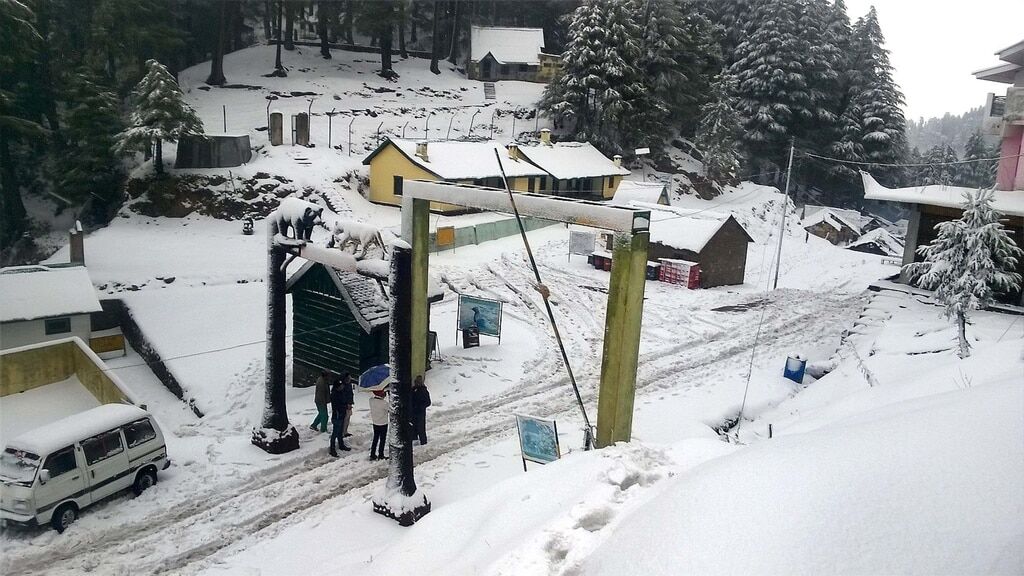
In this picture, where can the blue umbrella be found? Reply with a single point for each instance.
(375, 378)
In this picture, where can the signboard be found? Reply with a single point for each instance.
(538, 439)
(480, 313)
(642, 151)
(581, 242)
(445, 236)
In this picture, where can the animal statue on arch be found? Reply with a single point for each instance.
(355, 238)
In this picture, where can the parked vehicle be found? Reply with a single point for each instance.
(51, 473)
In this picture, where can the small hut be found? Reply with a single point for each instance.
(717, 245)
(339, 322)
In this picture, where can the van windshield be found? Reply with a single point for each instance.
(18, 466)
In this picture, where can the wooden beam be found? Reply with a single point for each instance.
(420, 242)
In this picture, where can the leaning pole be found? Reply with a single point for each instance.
(400, 499)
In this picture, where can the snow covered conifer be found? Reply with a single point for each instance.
(979, 173)
(940, 167)
(969, 262)
(717, 133)
(160, 113)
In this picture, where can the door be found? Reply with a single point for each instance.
(107, 464)
(67, 480)
(486, 70)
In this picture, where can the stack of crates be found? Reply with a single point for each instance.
(679, 272)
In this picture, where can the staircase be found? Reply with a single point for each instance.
(489, 91)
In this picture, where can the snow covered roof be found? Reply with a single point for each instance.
(507, 45)
(63, 432)
(565, 160)
(882, 238)
(454, 160)
(1007, 202)
(836, 218)
(630, 191)
(363, 295)
(688, 232)
(30, 292)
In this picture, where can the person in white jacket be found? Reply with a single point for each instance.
(379, 419)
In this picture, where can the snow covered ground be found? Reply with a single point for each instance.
(851, 482)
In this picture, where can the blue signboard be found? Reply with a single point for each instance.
(538, 439)
(480, 313)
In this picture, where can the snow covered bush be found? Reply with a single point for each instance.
(971, 259)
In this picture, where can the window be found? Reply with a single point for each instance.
(61, 462)
(399, 182)
(102, 446)
(58, 325)
(530, 185)
(138, 432)
(504, 70)
(524, 67)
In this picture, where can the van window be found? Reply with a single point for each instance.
(102, 446)
(138, 432)
(60, 462)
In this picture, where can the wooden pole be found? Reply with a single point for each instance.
(420, 263)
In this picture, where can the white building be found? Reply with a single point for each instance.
(41, 303)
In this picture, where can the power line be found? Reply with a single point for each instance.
(909, 165)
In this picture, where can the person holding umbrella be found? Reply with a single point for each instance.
(379, 418)
(341, 408)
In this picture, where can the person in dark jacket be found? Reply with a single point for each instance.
(419, 402)
(341, 405)
(320, 397)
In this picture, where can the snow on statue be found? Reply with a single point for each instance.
(355, 236)
(971, 259)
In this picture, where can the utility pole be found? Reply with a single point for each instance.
(782, 226)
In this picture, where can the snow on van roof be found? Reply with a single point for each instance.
(456, 160)
(565, 160)
(65, 431)
(507, 45)
(31, 292)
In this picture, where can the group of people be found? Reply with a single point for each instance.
(338, 394)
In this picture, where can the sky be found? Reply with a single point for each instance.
(935, 45)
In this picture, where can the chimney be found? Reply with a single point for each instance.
(617, 159)
(545, 136)
(77, 244)
(513, 151)
(421, 150)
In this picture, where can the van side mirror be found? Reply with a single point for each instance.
(44, 476)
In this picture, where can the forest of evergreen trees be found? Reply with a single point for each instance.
(741, 78)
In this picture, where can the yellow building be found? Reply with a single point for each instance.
(463, 162)
(575, 169)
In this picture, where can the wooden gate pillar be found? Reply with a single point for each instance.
(420, 242)
(622, 338)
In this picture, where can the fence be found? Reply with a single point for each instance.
(471, 235)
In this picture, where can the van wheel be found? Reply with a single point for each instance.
(63, 517)
(144, 481)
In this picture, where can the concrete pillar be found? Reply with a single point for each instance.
(276, 128)
(910, 247)
(622, 339)
(301, 129)
(420, 242)
(76, 244)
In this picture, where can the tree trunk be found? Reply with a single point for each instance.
(158, 158)
(324, 9)
(435, 44)
(414, 9)
(346, 25)
(453, 48)
(268, 10)
(216, 77)
(961, 324)
(401, 30)
(385, 53)
(278, 67)
(12, 208)
(289, 27)
(235, 27)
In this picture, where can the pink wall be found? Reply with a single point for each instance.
(1011, 168)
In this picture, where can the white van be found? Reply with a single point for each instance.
(49, 474)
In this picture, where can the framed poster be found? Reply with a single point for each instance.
(444, 237)
(538, 439)
(480, 313)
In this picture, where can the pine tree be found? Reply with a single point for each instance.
(160, 113)
(978, 174)
(717, 133)
(970, 261)
(773, 94)
(940, 167)
(876, 96)
(89, 170)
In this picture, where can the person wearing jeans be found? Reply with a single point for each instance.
(379, 419)
(320, 398)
